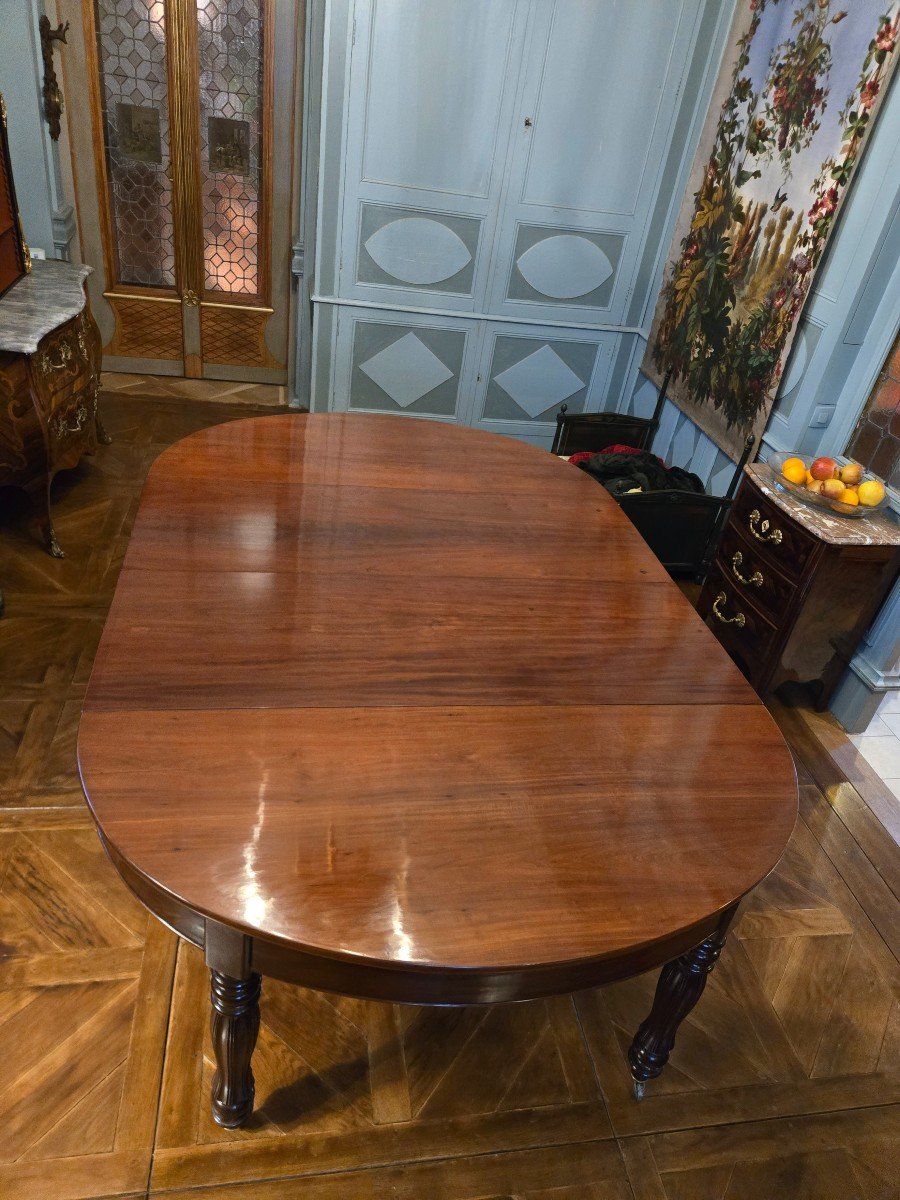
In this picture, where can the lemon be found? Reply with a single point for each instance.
(794, 469)
(871, 492)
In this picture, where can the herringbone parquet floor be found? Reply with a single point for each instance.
(784, 1082)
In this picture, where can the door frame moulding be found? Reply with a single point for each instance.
(184, 170)
(92, 66)
(303, 258)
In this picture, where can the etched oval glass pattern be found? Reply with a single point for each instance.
(418, 250)
(565, 266)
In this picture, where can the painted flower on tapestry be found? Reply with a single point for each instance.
(795, 91)
(886, 38)
(868, 94)
(781, 157)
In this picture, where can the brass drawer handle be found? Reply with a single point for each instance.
(764, 534)
(47, 364)
(65, 422)
(738, 619)
(755, 580)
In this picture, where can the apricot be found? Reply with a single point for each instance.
(851, 474)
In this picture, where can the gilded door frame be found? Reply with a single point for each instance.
(184, 317)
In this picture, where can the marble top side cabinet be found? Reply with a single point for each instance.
(50, 356)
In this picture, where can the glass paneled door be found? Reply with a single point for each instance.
(188, 99)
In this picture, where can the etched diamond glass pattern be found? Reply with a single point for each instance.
(407, 370)
(230, 40)
(134, 88)
(539, 381)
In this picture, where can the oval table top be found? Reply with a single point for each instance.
(397, 694)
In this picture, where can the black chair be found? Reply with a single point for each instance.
(577, 432)
(683, 528)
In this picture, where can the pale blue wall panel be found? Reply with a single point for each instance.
(20, 85)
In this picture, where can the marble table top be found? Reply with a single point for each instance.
(39, 303)
(876, 528)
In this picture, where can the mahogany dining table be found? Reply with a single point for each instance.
(409, 712)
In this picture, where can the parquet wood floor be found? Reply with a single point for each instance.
(785, 1082)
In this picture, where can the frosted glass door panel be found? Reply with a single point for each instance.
(131, 50)
(230, 43)
(604, 77)
(435, 80)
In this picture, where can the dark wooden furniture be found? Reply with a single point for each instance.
(14, 259)
(793, 589)
(681, 528)
(577, 432)
(49, 383)
(323, 737)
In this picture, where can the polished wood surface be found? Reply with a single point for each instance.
(784, 1081)
(424, 702)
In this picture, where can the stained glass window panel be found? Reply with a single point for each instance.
(230, 39)
(131, 46)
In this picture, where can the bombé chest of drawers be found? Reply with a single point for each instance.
(793, 588)
(49, 382)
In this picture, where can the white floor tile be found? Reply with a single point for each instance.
(881, 753)
(878, 726)
(891, 722)
(890, 702)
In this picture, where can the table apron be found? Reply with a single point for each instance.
(431, 986)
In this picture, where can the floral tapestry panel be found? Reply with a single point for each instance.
(796, 99)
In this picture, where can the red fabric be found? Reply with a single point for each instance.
(584, 455)
(620, 450)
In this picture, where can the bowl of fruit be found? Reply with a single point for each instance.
(826, 483)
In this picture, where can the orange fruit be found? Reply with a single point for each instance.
(849, 496)
(794, 470)
(810, 478)
(871, 492)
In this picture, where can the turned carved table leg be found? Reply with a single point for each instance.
(234, 1025)
(680, 986)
